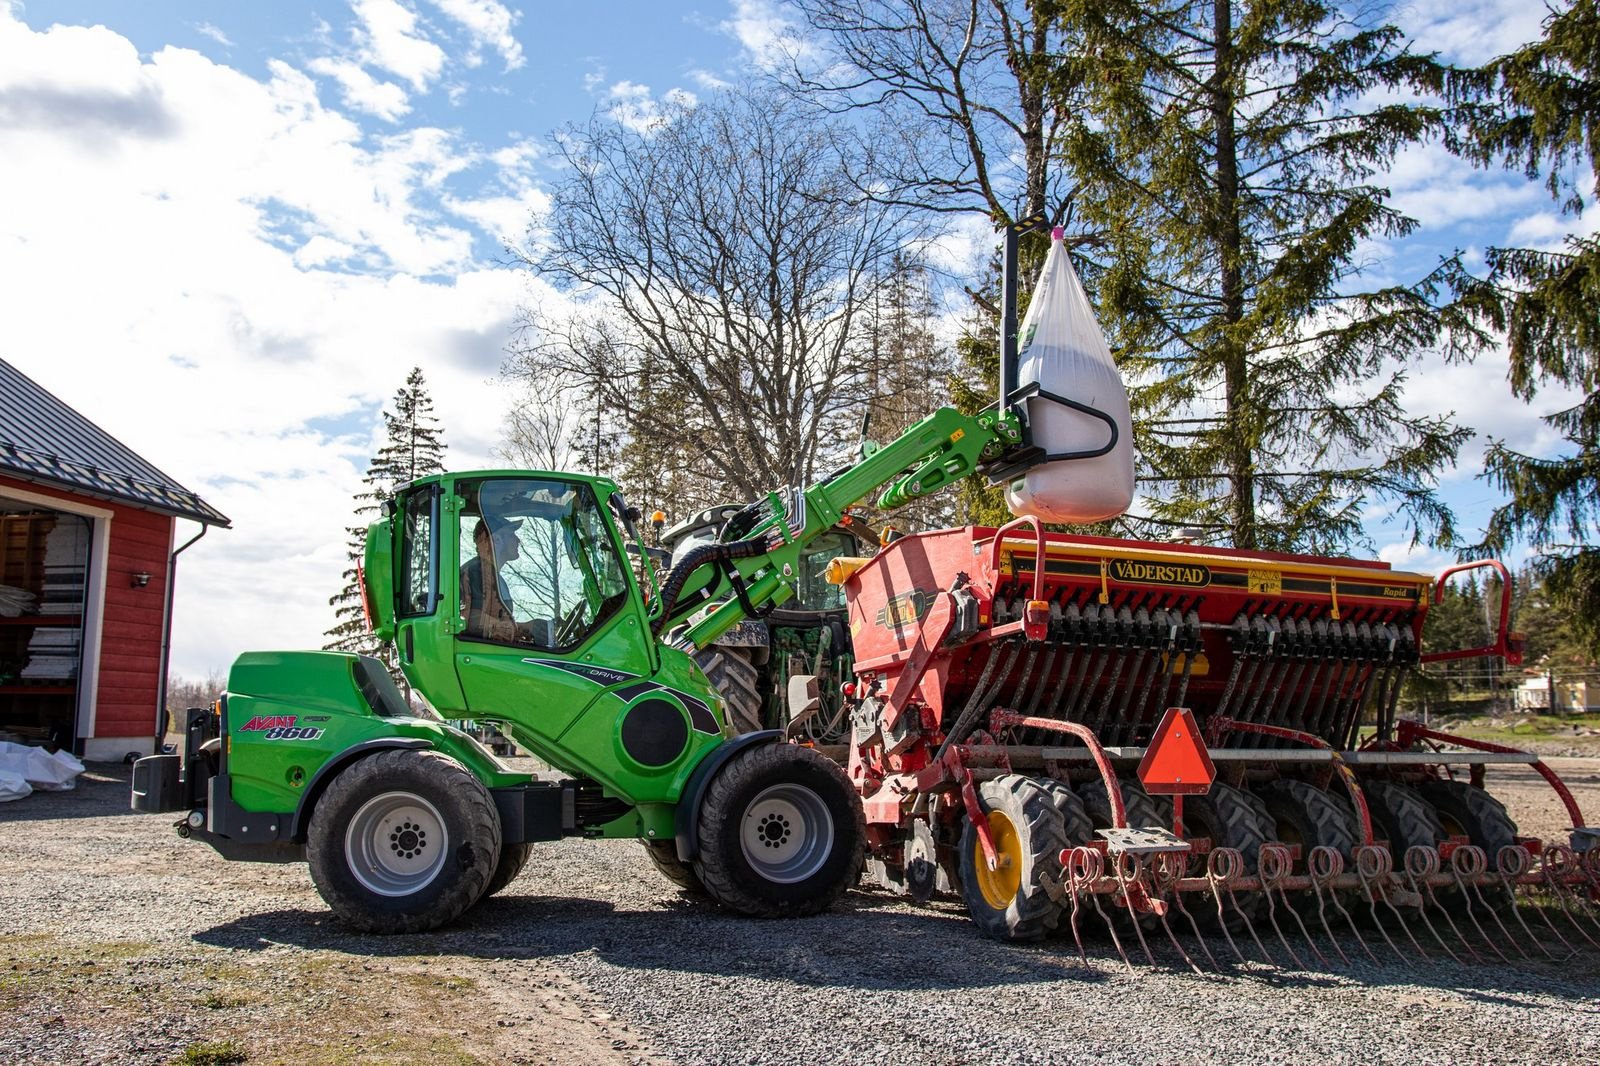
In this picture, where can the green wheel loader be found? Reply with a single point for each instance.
(526, 598)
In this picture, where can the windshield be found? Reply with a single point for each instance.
(812, 591)
(538, 565)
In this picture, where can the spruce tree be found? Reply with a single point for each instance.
(1538, 109)
(413, 447)
(1227, 159)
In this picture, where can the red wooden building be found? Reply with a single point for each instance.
(88, 555)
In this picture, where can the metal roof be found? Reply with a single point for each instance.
(44, 441)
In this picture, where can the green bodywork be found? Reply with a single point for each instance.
(290, 714)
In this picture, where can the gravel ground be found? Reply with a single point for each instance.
(120, 943)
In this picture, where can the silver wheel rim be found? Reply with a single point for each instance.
(396, 844)
(786, 834)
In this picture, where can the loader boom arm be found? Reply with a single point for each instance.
(941, 449)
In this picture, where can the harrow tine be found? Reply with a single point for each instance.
(1559, 860)
(1421, 863)
(1222, 866)
(1272, 863)
(1194, 926)
(1163, 874)
(1133, 876)
(1512, 861)
(1084, 867)
(1462, 863)
(1373, 866)
(1310, 940)
(1325, 864)
(1111, 927)
(1475, 865)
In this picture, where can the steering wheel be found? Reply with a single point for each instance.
(571, 626)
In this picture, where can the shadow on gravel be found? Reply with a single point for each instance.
(868, 943)
(859, 947)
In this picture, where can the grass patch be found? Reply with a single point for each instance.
(211, 1053)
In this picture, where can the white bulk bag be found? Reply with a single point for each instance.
(39, 768)
(1062, 348)
(13, 787)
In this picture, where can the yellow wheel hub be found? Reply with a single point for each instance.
(999, 886)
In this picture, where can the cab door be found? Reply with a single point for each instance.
(549, 619)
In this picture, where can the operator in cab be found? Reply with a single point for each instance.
(485, 600)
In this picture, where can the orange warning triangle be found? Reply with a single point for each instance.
(1176, 762)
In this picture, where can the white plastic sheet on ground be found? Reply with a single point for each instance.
(25, 769)
(1062, 348)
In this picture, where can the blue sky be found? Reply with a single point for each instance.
(230, 229)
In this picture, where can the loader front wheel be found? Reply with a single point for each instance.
(1012, 900)
(403, 842)
(513, 857)
(781, 833)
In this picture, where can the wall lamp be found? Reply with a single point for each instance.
(141, 578)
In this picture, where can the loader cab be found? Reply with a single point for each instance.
(499, 574)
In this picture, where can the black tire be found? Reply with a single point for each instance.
(1075, 820)
(1142, 810)
(399, 799)
(1012, 902)
(1303, 814)
(733, 672)
(781, 833)
(664, 857)
(1403, 817)
(513, 857)
(1231, 818)
(1464, 810)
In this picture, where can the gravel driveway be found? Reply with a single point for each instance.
(120, 943)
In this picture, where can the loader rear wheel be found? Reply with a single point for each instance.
(664, 857)
(781, 833)
(513, 857)
(1011, 902)
(403, 842)
(733, 672)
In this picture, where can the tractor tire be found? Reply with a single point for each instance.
(781, 833)
(1142, 810)
(733, 672)
(1231, 818)
(1471, 812)
(1074, 818)
(403, 842)
(1303, 814)
(513, 857)
(664, 857)
(1402, 816)
(1011, 902)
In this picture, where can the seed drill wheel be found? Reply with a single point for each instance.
(781, 833)
(1010, 902)
(1231, 818)
(1303, 814)
(403, 841)
(1471, 812)
(664, 857)
(513, 857)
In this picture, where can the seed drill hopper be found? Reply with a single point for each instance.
(1011, 683)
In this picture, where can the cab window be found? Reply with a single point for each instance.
(812, 591)
(538, 564)
(419, 576)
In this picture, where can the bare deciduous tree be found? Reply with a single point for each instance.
(720, 262)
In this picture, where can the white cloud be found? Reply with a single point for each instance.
(1470, 31)
(769, 38)
(708, 81)
(1439, 189)
(632, 105)
(362, 91)
(489, 24)
(176, 279)
(390, 39)
(205, 29)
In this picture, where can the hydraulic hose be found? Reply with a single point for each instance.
(716, 554)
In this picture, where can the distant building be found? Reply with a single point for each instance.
(87, 560)
(1571, 697)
